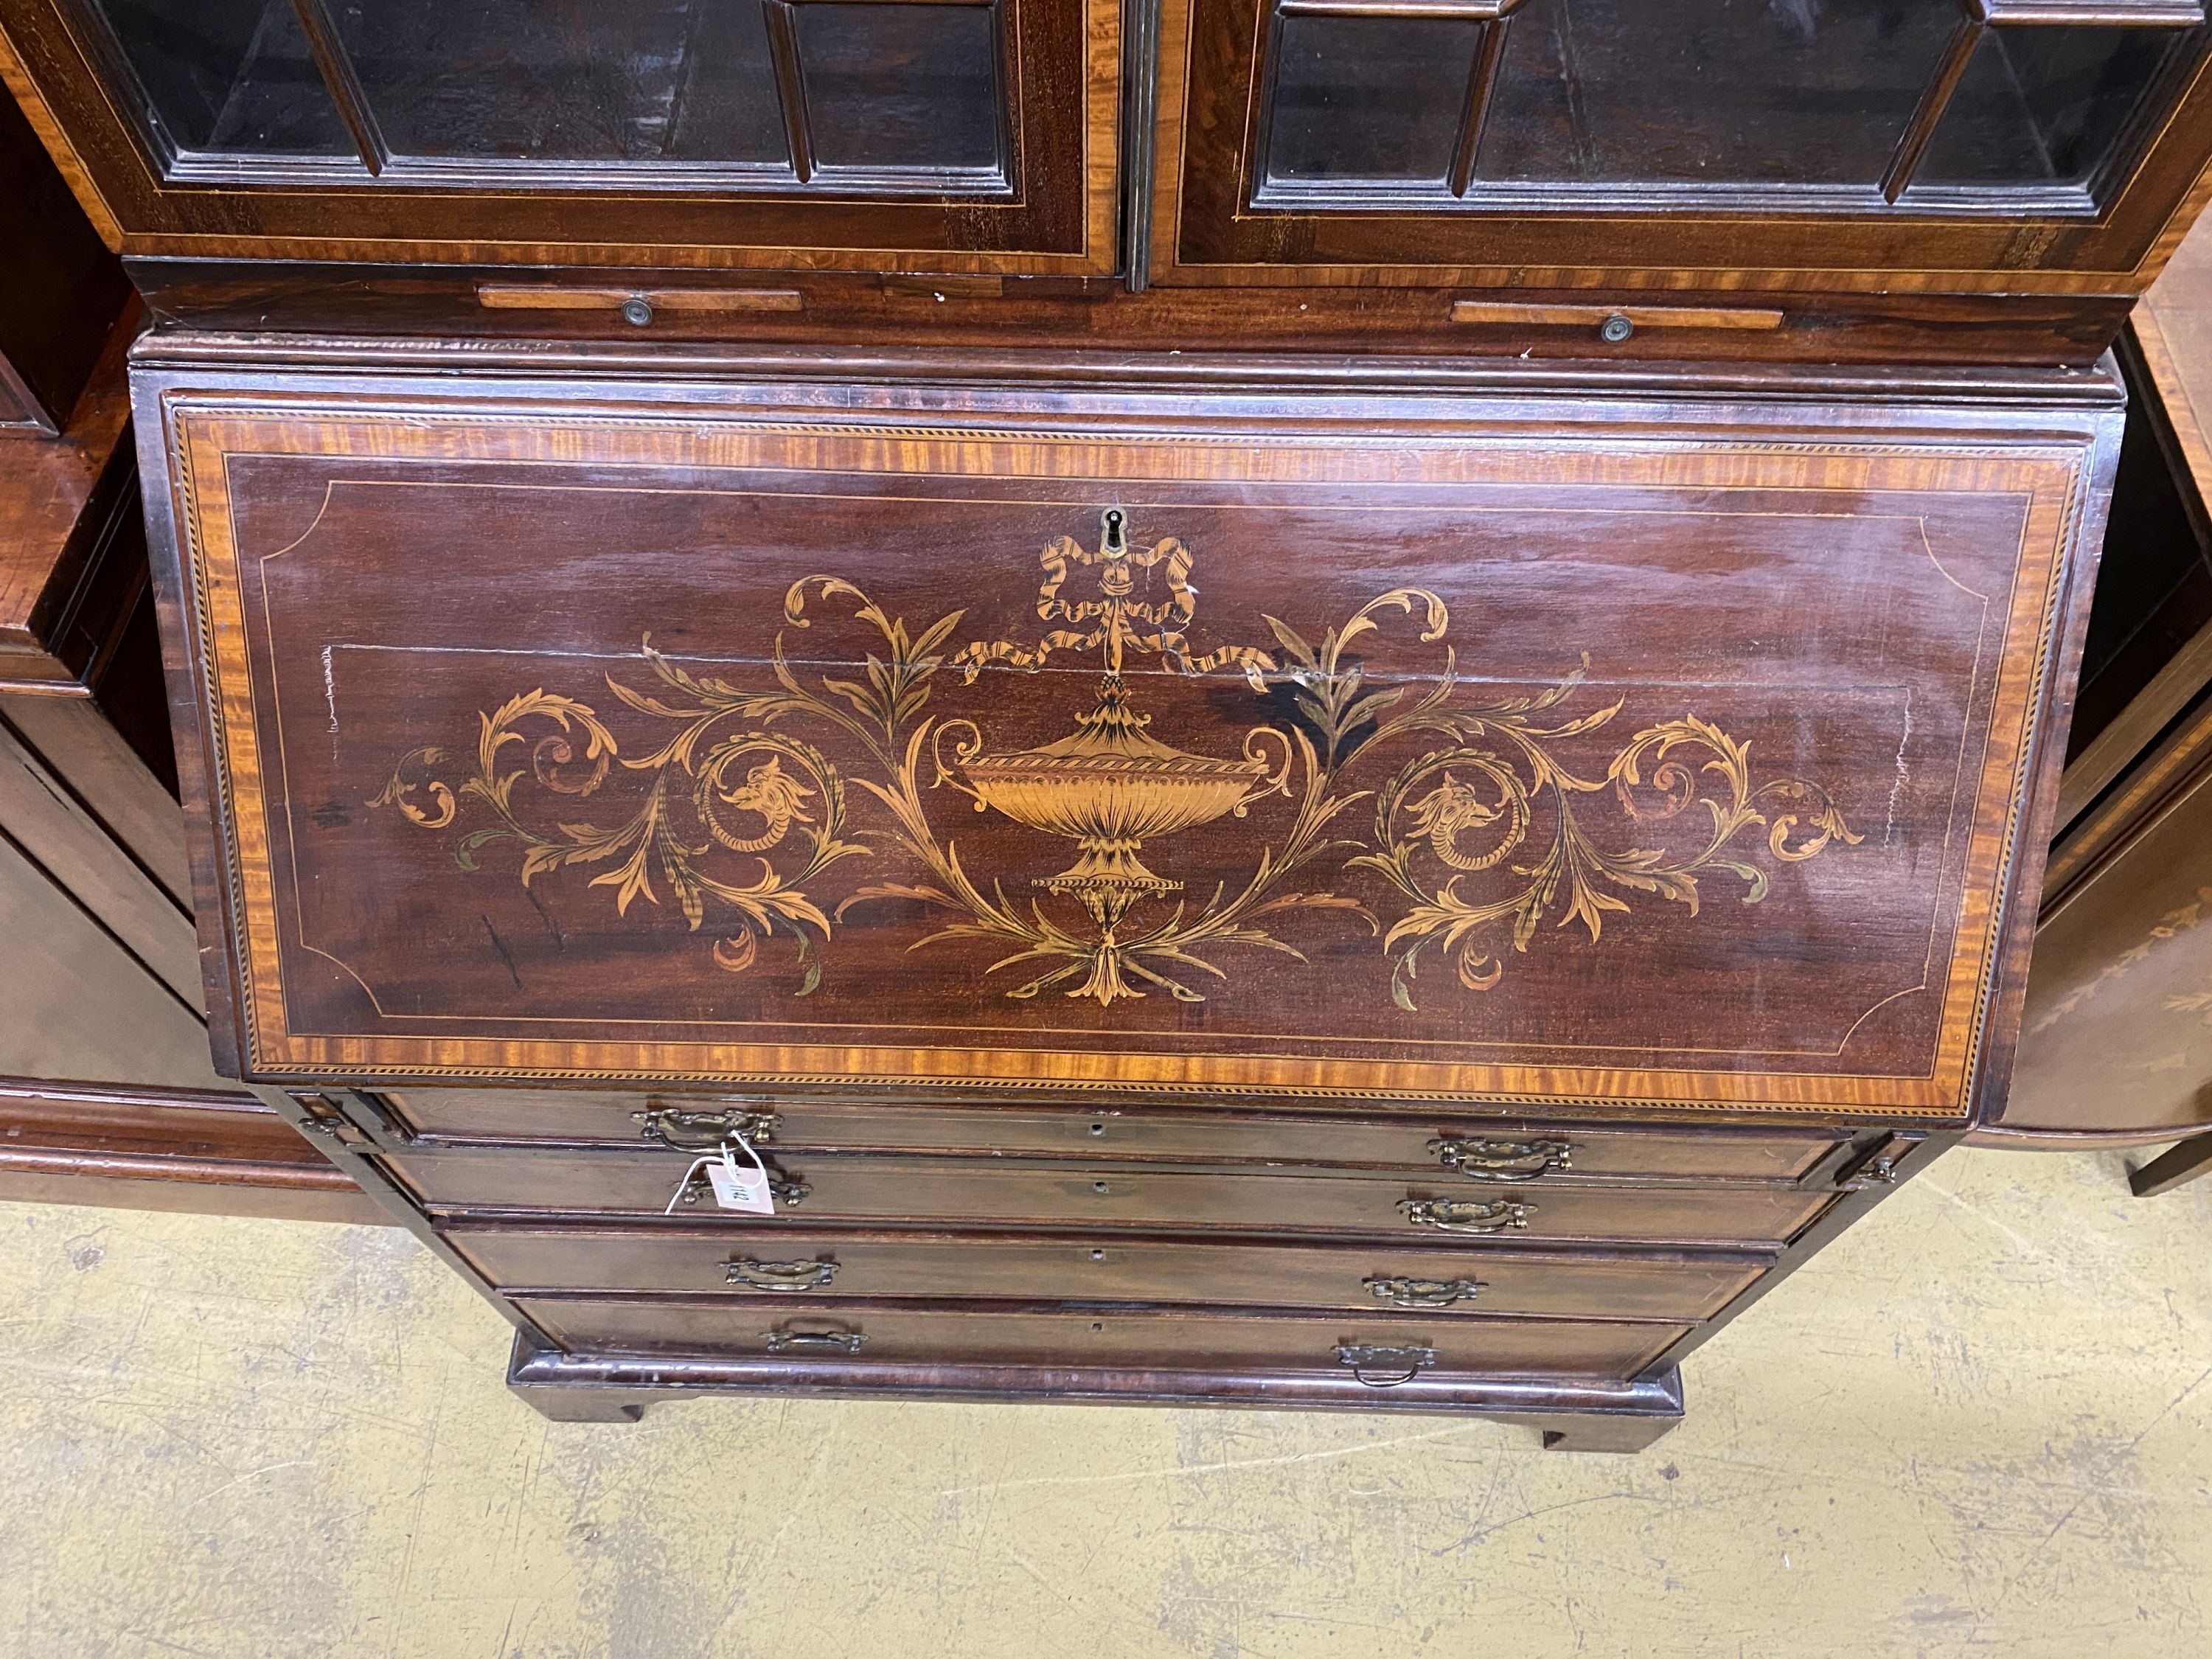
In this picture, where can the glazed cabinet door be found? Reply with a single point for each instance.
(1720, 143)
(1313, 744)
(934, 134)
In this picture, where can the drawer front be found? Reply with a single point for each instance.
(895, 1189)
(804, 1336)
(1369, 749)
(767, 1265)
(1504, 1152)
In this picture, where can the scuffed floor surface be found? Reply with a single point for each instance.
(1980, 1425)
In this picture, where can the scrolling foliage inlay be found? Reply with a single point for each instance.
(1483, 831)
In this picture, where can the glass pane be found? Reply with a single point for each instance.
(569, 79)
(2044, 106)
(1711, 91)
(901, 86)
(232, 76)
(1369, 97)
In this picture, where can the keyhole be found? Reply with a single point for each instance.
(1114, 525)
(1098, 1255)
(1097, 1128)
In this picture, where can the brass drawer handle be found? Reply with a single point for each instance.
(782, 1275)
(815, 1341)
(1362, 1356)
(694, 1133)
(1460, 1215)
(1423, 1293)
(789, 1194)
(1503, 1160)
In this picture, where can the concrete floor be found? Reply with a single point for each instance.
(1980, 1425)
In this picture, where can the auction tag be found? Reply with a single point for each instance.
(735, 1188)
(741, 1189)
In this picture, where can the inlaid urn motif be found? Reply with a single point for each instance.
(1110, 785)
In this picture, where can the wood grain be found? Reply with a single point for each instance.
(1066, 1341)
(68, 551)
(869, 1266)
(1317, 1136)
(855, 1186)
(61, 291)
(166, 1149)
(989, 313)
(2002, 520)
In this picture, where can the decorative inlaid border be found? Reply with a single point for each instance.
(2050, 473)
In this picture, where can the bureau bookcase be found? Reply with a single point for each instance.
(1301, 704)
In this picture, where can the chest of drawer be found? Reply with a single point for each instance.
(952, 1191)
(768, 1264)
(1379, 1350)
(1505, 1151)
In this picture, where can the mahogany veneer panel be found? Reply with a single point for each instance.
(1852, 617)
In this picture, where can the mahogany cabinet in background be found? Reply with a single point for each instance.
(2113, 1051)
(106, 1092)
(928, 134)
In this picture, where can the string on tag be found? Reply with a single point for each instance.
(750, 1190)
(684, 1185)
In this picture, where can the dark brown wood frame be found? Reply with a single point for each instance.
(1217, 223)
(1054, 211)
